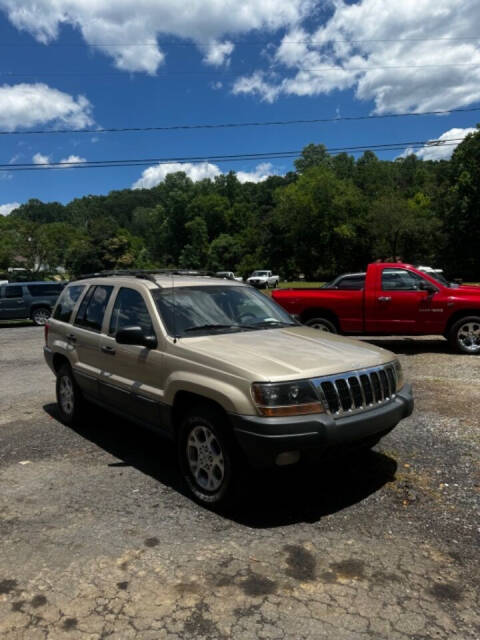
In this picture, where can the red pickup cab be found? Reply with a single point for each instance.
(391, 299)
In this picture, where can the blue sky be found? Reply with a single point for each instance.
(213, 62)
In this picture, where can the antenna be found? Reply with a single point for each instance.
(175, 336)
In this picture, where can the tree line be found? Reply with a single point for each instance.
(333, 214)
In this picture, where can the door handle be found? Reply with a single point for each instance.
(384, 298)
(109, 350)
(72, 337)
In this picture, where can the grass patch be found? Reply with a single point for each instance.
(301, 284)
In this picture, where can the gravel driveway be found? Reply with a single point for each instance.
(97, 539)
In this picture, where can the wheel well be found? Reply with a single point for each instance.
(39, 305)
(59, 361)
(458, 315)
(185, 400)
(319, 313)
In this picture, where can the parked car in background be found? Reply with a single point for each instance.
(221, 370)
(34, 300)
(229, 275)
(393, 299)
(263, 280)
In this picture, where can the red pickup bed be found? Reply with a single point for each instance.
(395, 299)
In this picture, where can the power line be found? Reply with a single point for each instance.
(169, 43)
(129, 162)
(234, 73)
(235, 125)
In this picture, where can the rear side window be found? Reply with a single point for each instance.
(67, 301)
(39, 290)
(130, 310)
(352, 283)
(91, 311)
(13, 292)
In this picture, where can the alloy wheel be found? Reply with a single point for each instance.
(205, 458)
(66, 395)
(469, 336)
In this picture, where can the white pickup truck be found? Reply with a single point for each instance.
(263, 279)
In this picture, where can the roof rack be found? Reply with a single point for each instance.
(146, 274)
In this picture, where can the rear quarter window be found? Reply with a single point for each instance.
(67, 302)
(13, 292)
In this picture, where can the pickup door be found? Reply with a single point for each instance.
(396, 304)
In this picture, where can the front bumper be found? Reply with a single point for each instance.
(262, 439)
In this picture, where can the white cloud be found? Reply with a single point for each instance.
(28, 105)
(39, 158)
(72, 160)
(261, 173)
(156, 174)
(374, 46)
(442, 147)
(218, 53)
(123, 22)
(5, 209)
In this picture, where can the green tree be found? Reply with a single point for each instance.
(195, 252)
(462, 209)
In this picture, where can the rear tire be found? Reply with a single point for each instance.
(464, 335)
(205, 454)
(69, 397)
(322, 324)
(40, 316)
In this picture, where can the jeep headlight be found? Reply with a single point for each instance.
(286, 398)
(399, 374)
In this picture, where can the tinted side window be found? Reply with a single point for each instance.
(91, 312)
(130, 310)
(67, 301)
(38, 290)
(13, 292)
(400, 280)
(352, 283)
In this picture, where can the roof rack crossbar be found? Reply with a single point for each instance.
(144, 273)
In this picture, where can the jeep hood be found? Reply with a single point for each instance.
(284, 354)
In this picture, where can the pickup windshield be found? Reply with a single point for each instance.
(260, 273)
(202, 310)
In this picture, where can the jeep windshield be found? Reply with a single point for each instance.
(202, 310)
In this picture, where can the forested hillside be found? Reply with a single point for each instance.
(334, 213)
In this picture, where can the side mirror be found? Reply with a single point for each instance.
(427, 286)
(135, 335)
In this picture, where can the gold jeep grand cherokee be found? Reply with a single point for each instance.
(219, 368)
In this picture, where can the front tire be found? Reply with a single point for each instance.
(464, 335)
(40, 316)
(69, 397)
(205, 453)
(322, 324)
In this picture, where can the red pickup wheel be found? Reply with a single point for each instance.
(322, 324)
(465, 335)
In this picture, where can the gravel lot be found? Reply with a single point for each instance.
(97, 539)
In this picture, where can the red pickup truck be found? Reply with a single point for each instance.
(390, 299)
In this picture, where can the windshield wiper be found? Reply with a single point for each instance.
(200, 327)
(271, 323)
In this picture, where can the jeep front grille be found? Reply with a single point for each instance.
(357, 391)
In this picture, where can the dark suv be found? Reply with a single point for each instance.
(33, 300)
